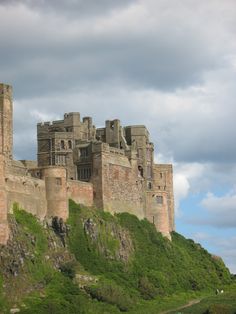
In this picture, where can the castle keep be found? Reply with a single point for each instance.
(112, 168)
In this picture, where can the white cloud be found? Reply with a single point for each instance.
(42, 116)
(184, 176)
(222, 209)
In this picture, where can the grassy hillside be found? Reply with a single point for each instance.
(110, 264)
(218, 304)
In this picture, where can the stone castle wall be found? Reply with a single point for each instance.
(117, 186)
(4, 232)
(80, 192)
(163, 181)
(28, 193)
(115, 166)
(56, 191)
(157, 212)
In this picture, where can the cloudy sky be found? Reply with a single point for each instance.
(170, 65)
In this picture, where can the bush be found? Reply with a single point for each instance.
(147, 289)
(68, 269)
(112, 294)
(218, 309)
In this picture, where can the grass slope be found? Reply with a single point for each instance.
(111, 264)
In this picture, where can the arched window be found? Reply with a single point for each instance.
(70, 144)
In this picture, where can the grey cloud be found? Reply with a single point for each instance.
(140, 63)
(52, 54)
(71, 7)
(49, 59)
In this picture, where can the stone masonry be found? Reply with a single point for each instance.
(112, 168)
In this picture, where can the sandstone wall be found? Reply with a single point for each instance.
(80, 192)
(56, 191)
(28, 192)
(157, 212)
(4, 232)
(16, 168)
(121, 186)
(163, 181)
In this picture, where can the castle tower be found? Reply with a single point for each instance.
(56, 191)
(6, 135)
(6, 129)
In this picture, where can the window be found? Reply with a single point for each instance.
(159, 199)
(112, 125)
(140, 153)
(60, 160)
(58, 181)
(148, 154)
(84, 173)
(62, 144)
(149, 171)
(140, 169)
(149, 185)
(70, 144)
(84, 152)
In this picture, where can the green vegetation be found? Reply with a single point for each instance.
(156, 269)
(219, 304)
(111, 264)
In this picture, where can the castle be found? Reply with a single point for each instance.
(111, 168)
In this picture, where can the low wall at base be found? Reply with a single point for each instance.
(80, 192)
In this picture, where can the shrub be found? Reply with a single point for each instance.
(218, 309)
(147, 289)
(112, 294)
(68, 269)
